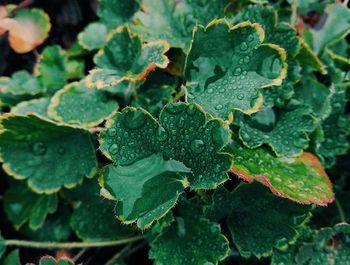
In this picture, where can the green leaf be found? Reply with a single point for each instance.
(21, 83)
(76, 104)
(173, 21)
(307, 57)
(37, 106)
(125, 58)
(114, 13)
(285, 131)
(336, 27)
(184, 133)
(93, 36)
(98, 224)
(54, 69)
(191, 239)
(48, 155)
(48, 260)
(227, 75)
(23, 205)
(301, 179)
(277, 225)
(134, 188)
(12, 258)
(330, 246)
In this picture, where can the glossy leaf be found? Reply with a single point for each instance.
(76, 104)
(125, 58)
(301, 179)
(28, 28)
(227, 75)
(173, 21)
(277, 225)
(191, 239)
(286, 132)
(48, 155)
(23, 205)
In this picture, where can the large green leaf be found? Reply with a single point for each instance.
(76, 104)
(226, 75)
(301, 179)
(260, 221)
(47, 154)
(195, 158)
(285, 131)
(190, 240)
(125, 58)
(23, 205)
(173, 21)
(93, 217)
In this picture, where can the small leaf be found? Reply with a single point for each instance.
(48, 260)
(336, 27)
(48, 155)
(28, 28)
(173, 21)
(76, 104)
(301, 179)
(277, 225)
(37, 106)
(223, 76)
(286, 131)
(93, 36)
(93, 217)
(190, 240)
(125, 58)
(21, 83)
(2, 246)
(23, 205)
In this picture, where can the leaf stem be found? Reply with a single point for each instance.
(53, 245)
(294, 13)
(340, 210)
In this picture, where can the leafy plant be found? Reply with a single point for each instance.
(191, 132)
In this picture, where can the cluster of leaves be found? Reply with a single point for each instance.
(213, 128)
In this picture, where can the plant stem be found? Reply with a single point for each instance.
(340, 210)
(53, 245)
(294, 13)
(118, 255)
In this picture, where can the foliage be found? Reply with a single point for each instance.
(214, 132)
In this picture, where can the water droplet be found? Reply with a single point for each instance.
(39, 148)
(113, 149)
(270, 67)
(61, 150)
(210, 90)
(197, 146)
(244, 46)
(162, 134)
(218, 107)
(240, 96)
(250, 38)
(238, 71)
(247, 59)
(181, 122)
(217, 168)
(134, 119)
(112, 132)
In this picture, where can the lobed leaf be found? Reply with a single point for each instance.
(285, 131)
(76, 104)
(191, 239)
(277, 225)
(28, 28)
(47, 154)
(227, 75)
(36, 106)
(173, 21)
(301, 179)
(93, 36)
(125, 58)
(183, 149)
(48, 260)
(22, 205)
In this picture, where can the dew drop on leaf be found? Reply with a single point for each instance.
(39, 148)
(61, 150)
(112, 131)
(197, 146)
(113, 149)
(218, 107)
(270, 67)
(134, 119)
(162, 134)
